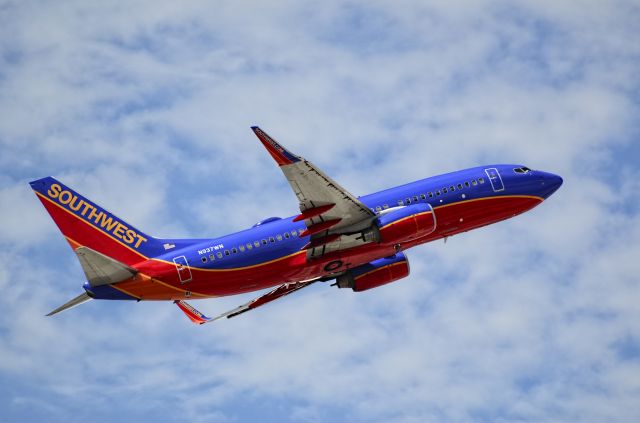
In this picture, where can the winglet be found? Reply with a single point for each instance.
(280, 154)
(194, 315)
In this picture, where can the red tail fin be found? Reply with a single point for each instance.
(83, 223)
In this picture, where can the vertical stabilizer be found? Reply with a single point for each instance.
(85, 224)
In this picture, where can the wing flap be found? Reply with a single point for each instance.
(281, 291)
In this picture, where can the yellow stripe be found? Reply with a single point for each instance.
(534, 197)
(160, 260)
(152, 279)
(236, 268)
(281, 258)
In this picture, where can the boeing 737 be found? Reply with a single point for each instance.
(359, 242)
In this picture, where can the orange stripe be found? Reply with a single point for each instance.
(285, 257)
(236, 268)
(154, 280)
(125, 291)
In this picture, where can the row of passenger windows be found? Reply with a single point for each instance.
(437, 193)
(250, 246)
(256, 244)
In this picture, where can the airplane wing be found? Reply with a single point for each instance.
(328, 210)
(283, 290)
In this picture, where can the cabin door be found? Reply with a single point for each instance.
(495, 179)
(182, 266)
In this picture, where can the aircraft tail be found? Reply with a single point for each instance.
(85, 224)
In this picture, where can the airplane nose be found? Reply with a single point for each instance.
(549, 183)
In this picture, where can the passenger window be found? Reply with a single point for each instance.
(219, 255)
(293, 233)
(249, 246)
(474, 182)
(400, 203)
(241, 248)
(424, 197)
(415, 198)
(279, 237)
(264, 242)
(212, 257)
(444, 190)
(235, 250)
(226, 252)
(385, 206)
(407, 200)
(459, 186)
(286, 235)
(481, 180)
(204, 259)
(452, 188)
(438, 192)
(430, 194)
(466, 184)
(271, 239)
(378, 208)
(256, 243)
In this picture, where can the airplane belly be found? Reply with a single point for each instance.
(467, 215)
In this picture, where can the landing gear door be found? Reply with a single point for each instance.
(182, 266)
(495, 179)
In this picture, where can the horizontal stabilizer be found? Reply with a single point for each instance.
(80, 299)
(101, 269)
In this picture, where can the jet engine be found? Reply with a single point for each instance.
(374, 274)
(406, 223)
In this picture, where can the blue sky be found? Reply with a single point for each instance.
(145, 108)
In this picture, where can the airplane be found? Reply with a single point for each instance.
(358, 242)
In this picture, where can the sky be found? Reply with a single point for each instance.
(145, 107)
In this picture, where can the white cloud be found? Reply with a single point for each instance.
(146, 109)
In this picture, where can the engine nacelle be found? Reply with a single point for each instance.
(374, 274)
(406, 223)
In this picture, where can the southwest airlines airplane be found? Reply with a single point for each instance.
(357, 241)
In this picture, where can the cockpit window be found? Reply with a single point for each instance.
(522, 170)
